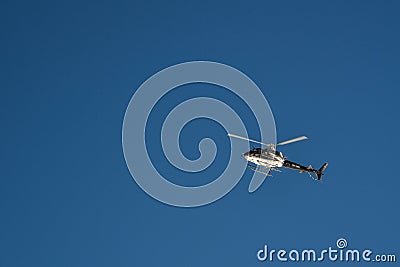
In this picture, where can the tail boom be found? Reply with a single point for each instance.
(295, 166)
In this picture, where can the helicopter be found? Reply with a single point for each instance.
(267, 159)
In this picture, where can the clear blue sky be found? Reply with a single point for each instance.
(330, 70)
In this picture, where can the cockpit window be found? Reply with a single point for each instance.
(256, 152)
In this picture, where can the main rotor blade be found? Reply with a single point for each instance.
(247, 139)
(300, 138)
(292, 140)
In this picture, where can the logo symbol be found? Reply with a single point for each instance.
(155, 88)
(341, 243)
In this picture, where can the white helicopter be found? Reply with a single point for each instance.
(271, 159)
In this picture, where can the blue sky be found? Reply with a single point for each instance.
(68, 70)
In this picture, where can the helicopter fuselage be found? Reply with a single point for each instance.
(273, 159)
(269, 158)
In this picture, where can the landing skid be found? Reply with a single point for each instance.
(260, 169)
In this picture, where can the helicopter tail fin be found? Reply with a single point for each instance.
(320, 172)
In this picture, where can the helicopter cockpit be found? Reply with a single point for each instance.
(255, 152)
